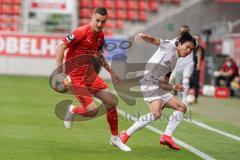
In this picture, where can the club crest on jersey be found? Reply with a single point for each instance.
(70, 37)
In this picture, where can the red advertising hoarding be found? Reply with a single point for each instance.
(28, 45)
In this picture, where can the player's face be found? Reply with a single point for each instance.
(185, 49)
(98, 22)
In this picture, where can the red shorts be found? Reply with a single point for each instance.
(83, 89)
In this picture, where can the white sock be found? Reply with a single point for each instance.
(142, 122)
(174, 121)
(71, 108)
(186, 90)
(114, 137)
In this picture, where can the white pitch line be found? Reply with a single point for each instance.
(181, 143)
(200, 124)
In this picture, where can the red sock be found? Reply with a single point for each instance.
(79, 110)
(112, 118)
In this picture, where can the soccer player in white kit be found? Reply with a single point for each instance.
(183, 69)
(155, 85)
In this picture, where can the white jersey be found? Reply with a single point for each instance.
(162, 63)
(183, 62)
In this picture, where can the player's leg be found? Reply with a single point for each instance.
(87, 107)
(196, 79)
(110, 103)
(179, 79)
(155, 112)
(109, 100)
(152, 96)
(174, 121)
(187, 72)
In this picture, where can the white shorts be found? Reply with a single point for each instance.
(151, 92)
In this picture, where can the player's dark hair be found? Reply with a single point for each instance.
(101, 10)
(186, 27)
(187, 37)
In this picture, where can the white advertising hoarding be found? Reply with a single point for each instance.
(52, 6)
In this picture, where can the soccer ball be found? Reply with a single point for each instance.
(60, 82)
(208, 90)
(190, 99)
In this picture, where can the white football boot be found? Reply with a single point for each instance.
(116, 141)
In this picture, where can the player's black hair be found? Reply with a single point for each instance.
(182, 29)
(185, 27)
(100, 10)
(187, 37)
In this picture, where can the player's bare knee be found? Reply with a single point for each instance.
(111, 101)
(92, 112)
(182, 108)
(156, 114)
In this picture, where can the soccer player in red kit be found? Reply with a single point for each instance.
(82, 44)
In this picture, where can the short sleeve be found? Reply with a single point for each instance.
(165, 43)
(74, 37)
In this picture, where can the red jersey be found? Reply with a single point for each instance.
(82, 41)
(233, 68)
(79, 65)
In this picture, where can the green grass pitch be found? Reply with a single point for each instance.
(29, 129)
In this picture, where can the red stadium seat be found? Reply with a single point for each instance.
(84, 21)
(14, 27)
(4, 19)
(84, 3)
(109, 25)
(84, 12)
(111, 14)
(108, 4)
(16, 1)
(131, 15)
(120, 4)
(142, 15)
(131, 4)
(96, 3)
(15, 19)
(4, 28)
(153, 5)
(163, 1)
(16, 9)
(175, 2)
(5, 1)
(6, 9)
(119, 24)
(142, 5)
(120, 14)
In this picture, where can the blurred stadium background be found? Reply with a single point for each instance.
(29, 32)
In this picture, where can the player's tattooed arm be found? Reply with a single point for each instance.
(104, 63)
(147, 38)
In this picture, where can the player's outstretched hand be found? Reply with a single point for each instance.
(179, 87)
(138, 38)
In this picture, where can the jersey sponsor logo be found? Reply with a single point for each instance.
(70, 37)
(167, 63)
(166, 41)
